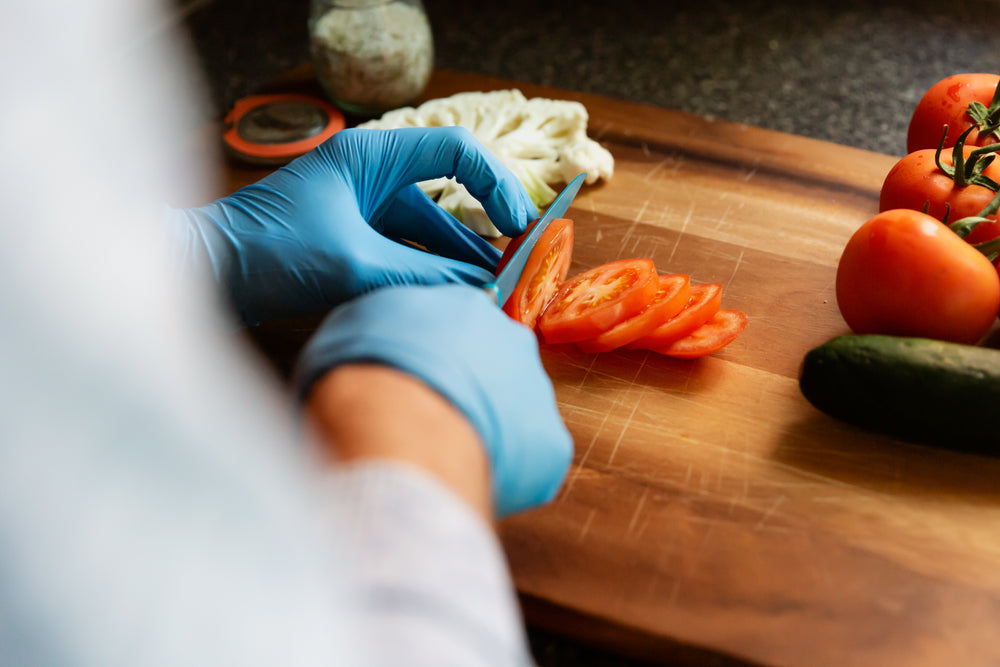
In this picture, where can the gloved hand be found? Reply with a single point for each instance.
(327, 226)
(455, 340)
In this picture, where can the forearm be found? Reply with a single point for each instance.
(414, 489)
(368, 412)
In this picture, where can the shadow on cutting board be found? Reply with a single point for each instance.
(824, 446)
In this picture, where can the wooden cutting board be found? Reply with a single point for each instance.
(711, 513)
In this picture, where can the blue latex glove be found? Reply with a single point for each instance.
(455, 340)
(326, 227)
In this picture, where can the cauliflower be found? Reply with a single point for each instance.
(543, 142)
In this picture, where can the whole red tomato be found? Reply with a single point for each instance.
(903, 273)
(916, 181)
(947, 103)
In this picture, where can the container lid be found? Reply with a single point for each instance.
(274, 129)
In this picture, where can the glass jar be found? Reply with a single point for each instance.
(371, 55)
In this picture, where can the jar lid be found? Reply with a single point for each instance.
(274, 129)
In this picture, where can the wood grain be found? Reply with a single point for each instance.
(709, 506)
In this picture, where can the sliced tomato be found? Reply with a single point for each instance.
(594, 301)
(706, 299)
(672, 295)
(710, 337)
(544, 271)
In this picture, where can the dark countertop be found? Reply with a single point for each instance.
(848, 72)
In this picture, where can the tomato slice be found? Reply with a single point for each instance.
(706, 299)
(671, 296)
(710, 337)
(544, 271)
(594, 301)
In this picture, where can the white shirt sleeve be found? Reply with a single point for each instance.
(432, 570)
(158, 503)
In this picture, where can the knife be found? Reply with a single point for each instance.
(504, 285)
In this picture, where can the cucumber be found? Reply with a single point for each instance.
(927, 391)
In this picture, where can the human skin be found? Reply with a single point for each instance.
(368, 412)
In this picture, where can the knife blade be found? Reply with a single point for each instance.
(506, 281)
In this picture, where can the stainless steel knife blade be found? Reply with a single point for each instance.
(503, 286)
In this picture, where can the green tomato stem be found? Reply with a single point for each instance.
(985, 150)
(986, 119)
(989, 248)
(965, 226)
(967, 171)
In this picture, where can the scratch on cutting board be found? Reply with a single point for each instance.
(587, 373)
(674, 592)
(706, 535)
(570, 481)
(642, 365)
(722, 463)
(746, 478)
(830, 286)
(642, 210)
(658, 167)
(622, 431)
(720, 221)
(678, 163)
(724, 219)
(593, 439)
(637, 512)
(586, 525)
(631, 238)
(778, 502)
(687, 476)
(680, 234)
(586, 452)
(663, 213)
(739, 260)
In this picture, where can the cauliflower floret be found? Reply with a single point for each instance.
(586, 156)
(542, 141)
